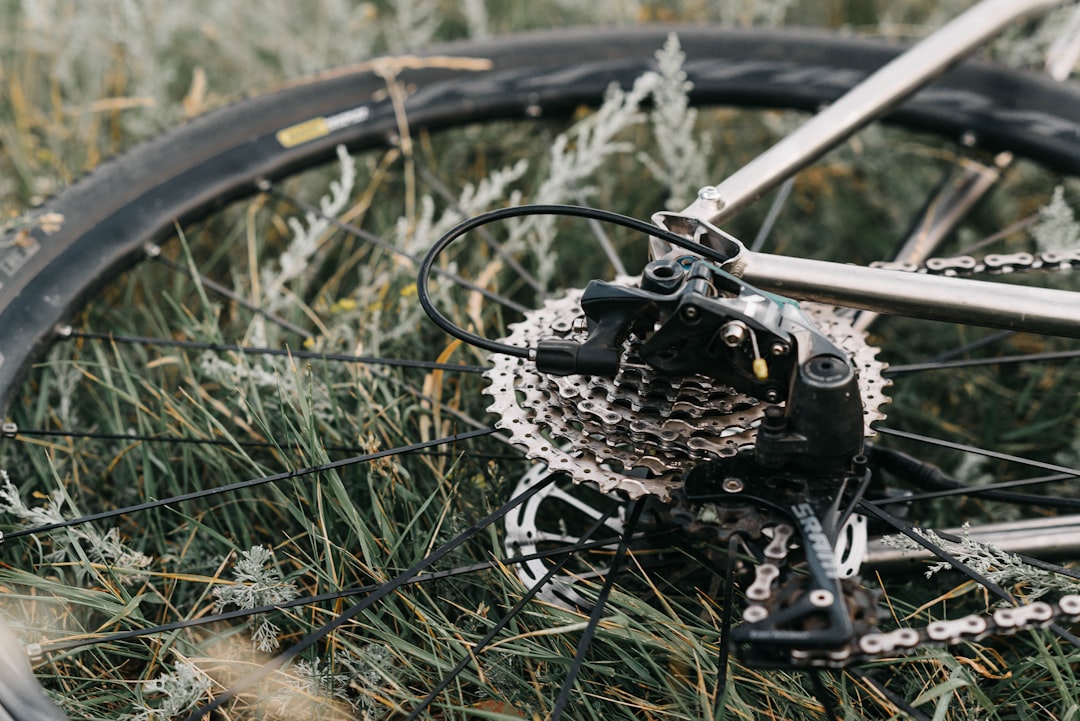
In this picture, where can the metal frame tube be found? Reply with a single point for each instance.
(868, 100)
(956, 300)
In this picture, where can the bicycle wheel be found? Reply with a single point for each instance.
(134, 306)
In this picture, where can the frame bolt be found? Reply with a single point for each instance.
(710, 193)
(779, 348)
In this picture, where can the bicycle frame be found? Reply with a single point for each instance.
(997, 305)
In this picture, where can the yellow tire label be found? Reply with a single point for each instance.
(304, 132)
(316, 128)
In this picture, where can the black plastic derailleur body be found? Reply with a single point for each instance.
(694, 318)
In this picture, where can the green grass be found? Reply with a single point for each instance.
(83, 81)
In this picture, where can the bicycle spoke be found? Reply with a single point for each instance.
(519, 270)
(387, 588)
(720, 689)
(273, 352)
(990, 340)
(250, 483)
(938, 551)
(502, 623)
(888, 694)
(825, 696)
(563, 698)
(1022, 224)
(602, 238)
(10, 430)
(979, 451)
(908, 368)
(561, 552)
(976, 491)
(378, 242)
(773, 215)
(154, 253)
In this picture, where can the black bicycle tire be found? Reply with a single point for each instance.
(137, 198)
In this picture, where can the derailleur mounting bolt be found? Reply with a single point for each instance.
(734, 333)
(733, 485)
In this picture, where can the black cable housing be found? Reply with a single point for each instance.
(494, 216)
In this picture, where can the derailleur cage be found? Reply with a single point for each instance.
(810, 619)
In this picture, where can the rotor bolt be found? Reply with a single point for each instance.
(821, 598)
(733, 485)
(734, 333)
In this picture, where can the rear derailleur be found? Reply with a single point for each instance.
(805, 470)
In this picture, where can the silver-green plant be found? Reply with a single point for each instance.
(257, 582)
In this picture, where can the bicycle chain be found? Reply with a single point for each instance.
(971, 628)
(994, 263)
(872, 644)
(1005, 621)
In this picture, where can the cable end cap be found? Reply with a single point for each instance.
(566, 357)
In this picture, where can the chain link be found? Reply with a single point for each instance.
(1002, 622)
(995, 264)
